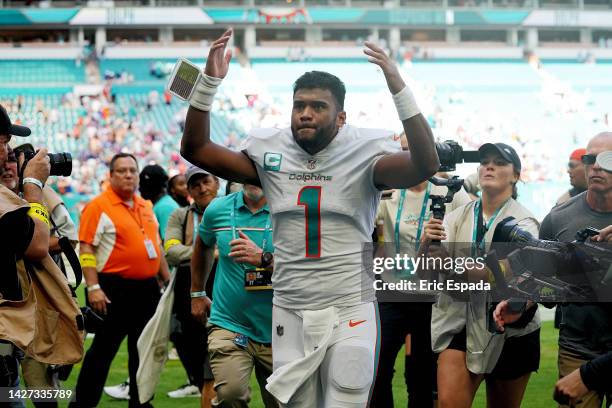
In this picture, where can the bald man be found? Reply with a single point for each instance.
(586, 329)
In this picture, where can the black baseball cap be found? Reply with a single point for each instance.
(153, 176)
(7, 128)
(505, 151)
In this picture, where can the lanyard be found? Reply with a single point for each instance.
(196, 224)
(400, 208)
(235, 235)
(480, 245)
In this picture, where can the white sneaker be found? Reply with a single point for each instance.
(186, 390)
(120, 391)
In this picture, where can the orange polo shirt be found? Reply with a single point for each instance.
(118, 234)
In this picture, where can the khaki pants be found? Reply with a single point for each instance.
(232, 365)
(569, 362)
(37, 375)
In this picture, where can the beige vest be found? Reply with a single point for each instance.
(43, 324)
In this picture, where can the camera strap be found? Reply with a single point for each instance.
(71, 256)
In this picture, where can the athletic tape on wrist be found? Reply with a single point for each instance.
(88, 260)
(204, 92)
(405, 104)
(39, 211)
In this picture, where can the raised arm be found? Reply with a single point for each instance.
(196, 146)
(405, 169)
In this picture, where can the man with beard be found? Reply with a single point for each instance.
(323, 179)
(62, 225)
(241, 315)
(25, 235)
(180, 237)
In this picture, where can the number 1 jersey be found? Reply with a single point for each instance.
(323, 208)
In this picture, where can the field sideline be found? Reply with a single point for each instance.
(538, 395)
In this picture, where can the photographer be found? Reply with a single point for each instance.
(36, 374)
(28, 221)
(468, 352)
(585, 328)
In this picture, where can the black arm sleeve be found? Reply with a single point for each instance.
(596, 373)
(17, 231)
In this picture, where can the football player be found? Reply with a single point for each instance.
(323, 179)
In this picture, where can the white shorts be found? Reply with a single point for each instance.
(347, 372)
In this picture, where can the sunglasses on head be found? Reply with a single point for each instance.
(589, 159)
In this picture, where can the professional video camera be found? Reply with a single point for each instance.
(550, 271)
(450, 153)
(61, 163)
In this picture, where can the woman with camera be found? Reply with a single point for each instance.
(469, 349)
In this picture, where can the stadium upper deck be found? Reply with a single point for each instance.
(310, 29)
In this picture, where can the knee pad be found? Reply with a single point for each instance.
(352, 369)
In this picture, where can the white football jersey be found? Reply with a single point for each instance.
(323, 209)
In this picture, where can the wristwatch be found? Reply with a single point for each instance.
(266, 259)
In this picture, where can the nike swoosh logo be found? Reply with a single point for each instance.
(353, 324)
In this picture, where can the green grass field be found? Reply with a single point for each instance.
(538, 394)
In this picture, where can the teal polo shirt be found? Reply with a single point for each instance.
(234, 308)
(162, 210)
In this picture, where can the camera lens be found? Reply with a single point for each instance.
(61, 164)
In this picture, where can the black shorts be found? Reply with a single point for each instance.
(520, 355)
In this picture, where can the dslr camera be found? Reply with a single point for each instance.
(61, 163)
(450, 153)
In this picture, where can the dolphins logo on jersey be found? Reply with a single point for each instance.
(272, 161)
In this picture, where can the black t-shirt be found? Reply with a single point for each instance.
(16, 231)
(585, 328)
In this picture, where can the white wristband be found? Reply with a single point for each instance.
(34, 181)
(405, 104)
(204, 92)
(95, 286)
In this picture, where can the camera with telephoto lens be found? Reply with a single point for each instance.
(61, 163)
(450, 153)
